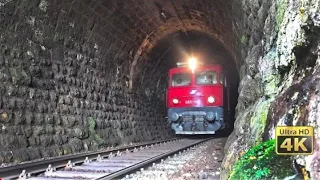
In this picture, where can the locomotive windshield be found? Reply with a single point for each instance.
(206, 78)
(181, 79)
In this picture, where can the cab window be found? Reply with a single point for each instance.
(181, 79)
(206, 78)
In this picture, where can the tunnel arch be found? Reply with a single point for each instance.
(169, 30)
(166, 53)
(148, 52)
(166, 17)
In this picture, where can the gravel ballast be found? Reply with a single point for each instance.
(201, 162)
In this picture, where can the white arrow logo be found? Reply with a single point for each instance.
(193, 91)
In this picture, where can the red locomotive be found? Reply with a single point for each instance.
(196, 98)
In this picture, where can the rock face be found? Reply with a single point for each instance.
(63, 88)
(282, 71)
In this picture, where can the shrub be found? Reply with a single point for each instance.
(262, 162)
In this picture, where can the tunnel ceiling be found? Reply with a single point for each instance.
(181, 45)
(144, 22)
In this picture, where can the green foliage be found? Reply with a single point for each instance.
(244, 39)
(99, 140)
(262, 162)
(96, 137)
(92, 124)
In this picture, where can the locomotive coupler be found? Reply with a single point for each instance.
(193, 122)
(180, 120)
(205, 125)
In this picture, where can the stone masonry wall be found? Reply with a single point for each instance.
(63, 84)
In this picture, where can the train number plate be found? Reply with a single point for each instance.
(192, 101)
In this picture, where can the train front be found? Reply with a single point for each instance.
(195, 98)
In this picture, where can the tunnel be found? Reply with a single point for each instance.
(179, 47)
(83, 75)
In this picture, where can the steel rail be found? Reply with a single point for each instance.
(14, 171)
(121, 173)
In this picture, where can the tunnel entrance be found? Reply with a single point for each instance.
(82, 75)
(178, 47)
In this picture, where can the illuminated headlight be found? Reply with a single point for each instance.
(174, 116)
(210, 116)
(175, 101)
(192, 64)
(211, 99)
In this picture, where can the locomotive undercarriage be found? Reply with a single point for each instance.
(205, 120)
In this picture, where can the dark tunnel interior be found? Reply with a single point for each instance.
(178, 47)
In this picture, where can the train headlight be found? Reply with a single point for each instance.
(174, 116)
(211, 99)
(210, 116)
(192, 64)
(175, 101)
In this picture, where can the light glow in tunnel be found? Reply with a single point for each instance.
(192, 64)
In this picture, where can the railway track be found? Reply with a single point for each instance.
(112, 164)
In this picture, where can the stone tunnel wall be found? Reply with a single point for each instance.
(64, 84)
(280, 77)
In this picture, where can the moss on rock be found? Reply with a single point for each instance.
(281, 9)
(271, 84)
(259, 120)
(96, 137)
(19, 76)
(262, 162)
(244, 39)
